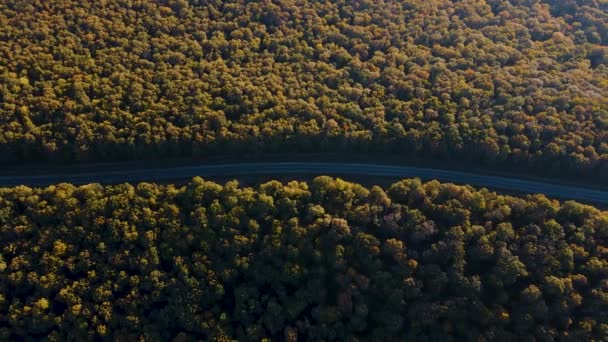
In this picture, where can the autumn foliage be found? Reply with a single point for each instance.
(514, 83)
(328, 260)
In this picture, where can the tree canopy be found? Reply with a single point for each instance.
(325, 260)
(495, 82)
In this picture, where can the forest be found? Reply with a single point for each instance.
(324, 260)
(514, 83)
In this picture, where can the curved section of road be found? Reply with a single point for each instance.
(283, 168)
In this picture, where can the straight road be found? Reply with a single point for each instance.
(283, 168)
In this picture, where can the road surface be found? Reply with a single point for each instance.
(283, 168)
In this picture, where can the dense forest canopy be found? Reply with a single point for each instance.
(325, 260)
(520, 83)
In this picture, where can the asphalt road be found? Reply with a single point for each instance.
(284, 168)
